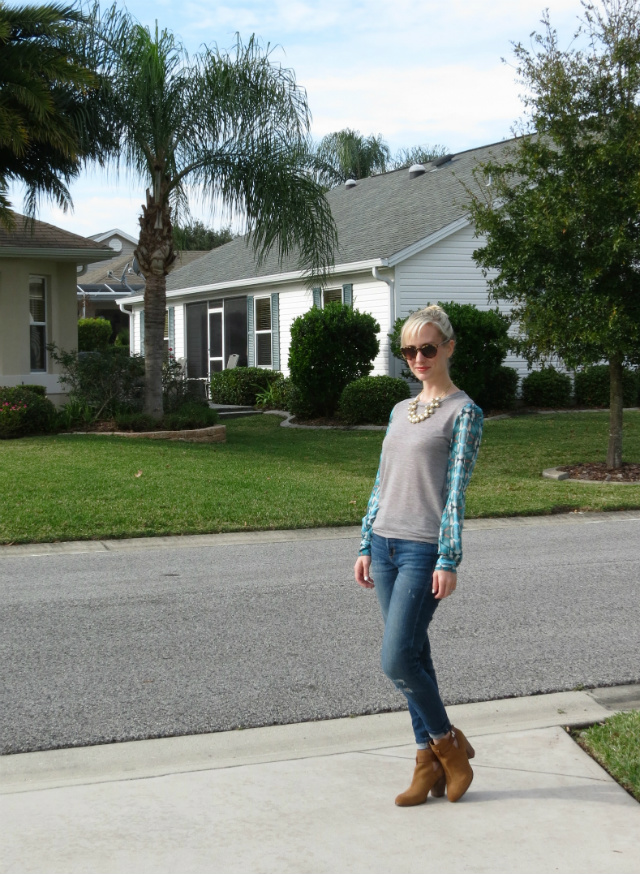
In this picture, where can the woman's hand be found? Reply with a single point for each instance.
(444, 583)
(361, 571)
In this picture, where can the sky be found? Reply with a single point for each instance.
(418, 72)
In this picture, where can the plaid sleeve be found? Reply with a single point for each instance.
(372, 508)
(465, 442)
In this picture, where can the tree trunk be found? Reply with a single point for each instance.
(614, 452)
(155, 256)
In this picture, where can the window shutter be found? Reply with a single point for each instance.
(347, 295)
(142, 332)
(172, 331)
(317, 297)
(275, 331)
(251, 340)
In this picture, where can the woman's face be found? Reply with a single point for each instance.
(430, 369)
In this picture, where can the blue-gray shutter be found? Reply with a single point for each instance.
(251, 340)
(142, 332)
(275, 331)
(317, 297)
(172, 331)
(347, 294)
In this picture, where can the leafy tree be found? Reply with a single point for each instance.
(196, 237)
(50, 120)
(233, 124)
(346, 154)
(561, 214)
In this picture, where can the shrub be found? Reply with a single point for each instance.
(330, 348)
(93, 334)
(191, 415)
(546, 388)
(107, 381)
(277, 396)
(36, 389)
(24, 412)
(122, 338)
(504, 389)
(240, 385)
(482, 343)
(370, 399)
(592, 387)
(135, 421)
(178, 389)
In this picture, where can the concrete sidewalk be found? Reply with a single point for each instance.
(318, 797)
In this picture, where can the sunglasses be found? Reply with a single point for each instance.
(429, 350)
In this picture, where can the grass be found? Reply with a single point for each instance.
(615, 744)
(267, 477)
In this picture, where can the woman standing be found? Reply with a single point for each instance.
(411, 543)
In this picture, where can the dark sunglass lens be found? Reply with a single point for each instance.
(409, 352)
(429, 350)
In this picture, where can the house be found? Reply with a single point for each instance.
(405, 240)
(101, 286)
(38, 303)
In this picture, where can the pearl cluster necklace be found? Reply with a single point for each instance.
(430, 408)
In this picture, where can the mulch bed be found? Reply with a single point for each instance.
(599, 472)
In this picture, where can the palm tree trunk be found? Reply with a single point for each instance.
(614, 452)
(155, 255)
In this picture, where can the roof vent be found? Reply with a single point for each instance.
(443, 160)
(350, 183)
(416, 170)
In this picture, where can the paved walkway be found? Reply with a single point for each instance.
(318, 797)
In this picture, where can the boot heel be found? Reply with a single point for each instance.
(468, 748)
(439, 788)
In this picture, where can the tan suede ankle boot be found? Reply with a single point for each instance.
(452, 755)
(427, 777)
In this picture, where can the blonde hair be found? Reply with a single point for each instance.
(431, 315)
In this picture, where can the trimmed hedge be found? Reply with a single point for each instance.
(546, 388)
(93, 334)
(24, 412)
(240, 385)
(592, 387)
(504, 389)
(330, 348)
(370, 399)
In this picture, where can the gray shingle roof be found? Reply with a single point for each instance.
(379, 217)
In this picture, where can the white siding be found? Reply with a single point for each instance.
(447, 272)
(294, 302)
(135, 332)
(371, 296)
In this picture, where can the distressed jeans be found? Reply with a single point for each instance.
(402, 571)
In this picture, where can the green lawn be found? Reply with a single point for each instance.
(615, 744)
(85, 487)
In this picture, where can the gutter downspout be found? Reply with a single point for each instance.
(391, 361)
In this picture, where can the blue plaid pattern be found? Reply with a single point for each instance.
(465, 442)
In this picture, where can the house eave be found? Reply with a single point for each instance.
(78, 256)
(274, 279)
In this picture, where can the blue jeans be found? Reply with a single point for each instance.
(402, 571)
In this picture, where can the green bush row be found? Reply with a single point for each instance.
(550, 388)
(370, 399)
(241, 385)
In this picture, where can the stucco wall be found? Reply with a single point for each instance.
(61, 319)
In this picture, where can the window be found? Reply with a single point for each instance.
(38, 323)
(263, 331)
(331, 295)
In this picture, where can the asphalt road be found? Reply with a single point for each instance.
(139, 643)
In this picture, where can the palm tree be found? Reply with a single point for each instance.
(47, 97)
(346, 154)
(234, 125)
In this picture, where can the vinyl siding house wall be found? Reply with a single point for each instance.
(403, 242)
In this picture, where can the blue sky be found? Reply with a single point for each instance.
(416, 71)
